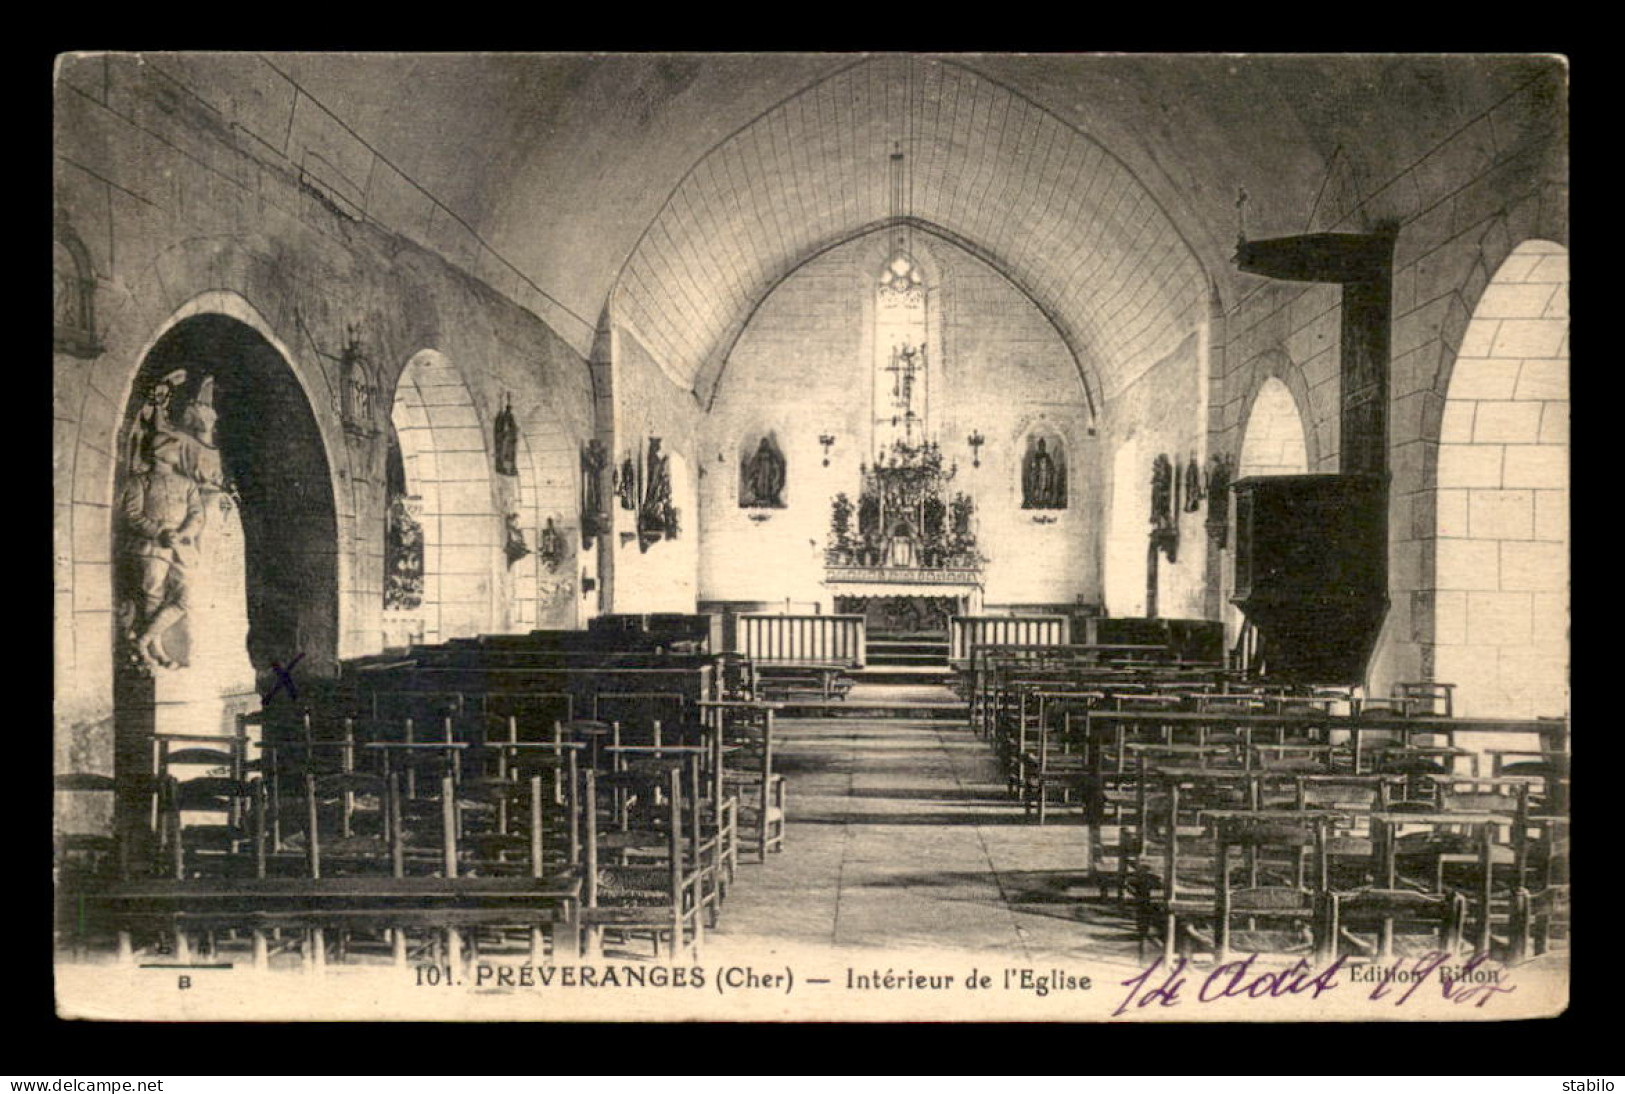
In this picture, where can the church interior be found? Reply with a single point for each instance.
(549, 508)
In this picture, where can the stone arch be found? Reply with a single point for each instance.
(927, 238)
(549, 486)
(447, 465)
(1273, 439)
(707, 255)
(1276, 439)
(282, 475)
(74, 305)
(103, 418)
(1500, 579)
(1278, 370)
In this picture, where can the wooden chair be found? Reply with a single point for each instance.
(1282, 874)
(747, 743)
(1426, 697)
(655, 900)
(1171, 880)
(1541, 909)
(1441, 917)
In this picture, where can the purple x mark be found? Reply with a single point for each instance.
(284, 679)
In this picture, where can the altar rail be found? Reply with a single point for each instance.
(780, 638)
(828, 638)
(965, 632)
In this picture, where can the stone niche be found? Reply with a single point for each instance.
(224, 566)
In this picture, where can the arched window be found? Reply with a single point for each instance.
(901, 398)
(73, 295)
(1274, 442)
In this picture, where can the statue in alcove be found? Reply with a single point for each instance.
(656, 519)
(403, 554)
(175, 473)
(163, 511)
(762, 477)
(1043, 477)
(507, 440)
(1193, 485)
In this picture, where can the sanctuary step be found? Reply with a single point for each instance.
(918, 673)
(893, 695)
(909, 652)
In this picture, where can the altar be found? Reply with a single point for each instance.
(913, 563)
(890, 612)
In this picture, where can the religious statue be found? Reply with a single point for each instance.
(627, 488)
(594, 520)
(1162, 493)
(507, 440)
(934, 513)
(868, 515)
(550, 547)
(403, 555)
(1193, 485)
(656, 519)
(900, 546)
(163, 508)
(153, 418)
(761, 478)
(1164, 530)
(1043, 479)
(164, 511)
(1218, 492)
(514, 544)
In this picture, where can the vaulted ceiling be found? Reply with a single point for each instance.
(686, 186)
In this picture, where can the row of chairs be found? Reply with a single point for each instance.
(1346, 812)
(448, 820)
(1329, 855)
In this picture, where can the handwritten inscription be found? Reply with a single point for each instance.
(1474, 982)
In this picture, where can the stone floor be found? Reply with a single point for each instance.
(901, 839)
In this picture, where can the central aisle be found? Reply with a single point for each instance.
(901, 838)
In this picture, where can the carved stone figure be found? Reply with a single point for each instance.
(188, 444)
(628, 486)
(152, 419)
(1193, 485)
(507, 440)
(163, 507)
(656, 519)
(163, 511)
(1162, 493)
(868, 515)
(514, 545)
(1043, 479)
(1218, 495)
(594, 519)
(550, 547)
(761, 478)
(403, 554)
